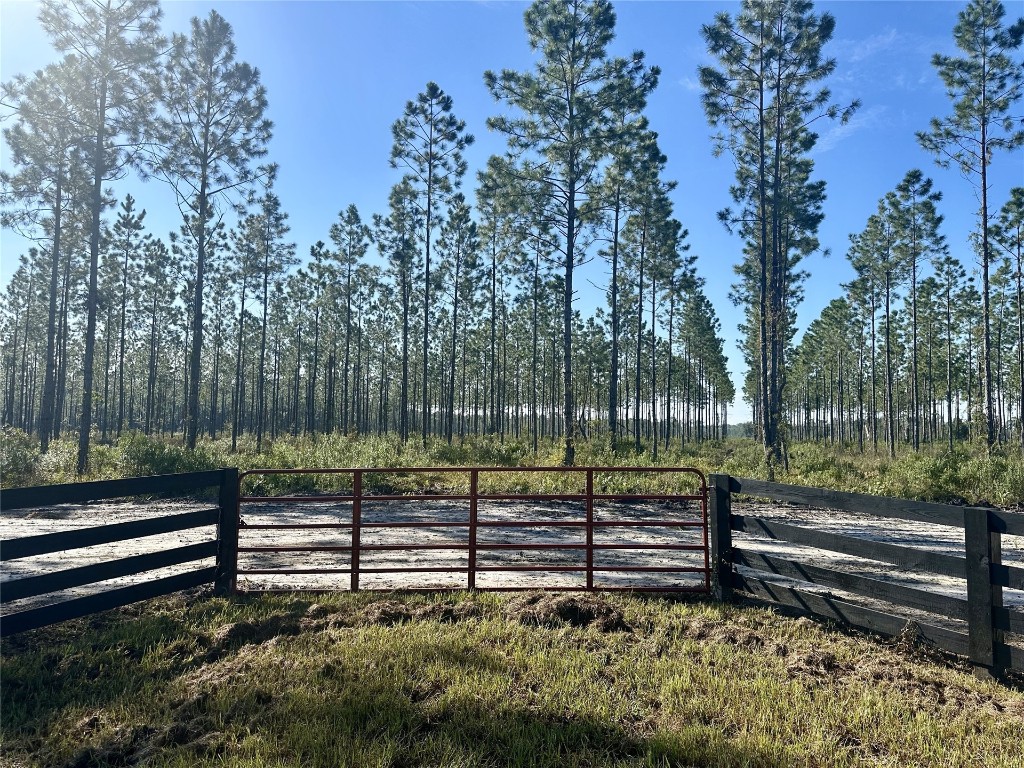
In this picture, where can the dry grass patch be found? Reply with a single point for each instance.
(487, 680)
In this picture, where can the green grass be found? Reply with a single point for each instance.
(487, 680)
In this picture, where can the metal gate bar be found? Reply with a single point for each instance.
(472, 546)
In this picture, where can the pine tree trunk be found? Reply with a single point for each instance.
(990, 425)
(569, 456)
(613, 381)
(62, 366)
(92, 299)
(890, 425)
(450, 428)
(239, 390)
(121, 344)
(196, 363)
(46, 410)
(639, 336)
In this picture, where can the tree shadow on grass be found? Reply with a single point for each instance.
(452, 708)
(348, 715)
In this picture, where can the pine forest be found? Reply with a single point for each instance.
(451, 312)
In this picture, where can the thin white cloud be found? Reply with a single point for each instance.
(691, 84)
(890, 60)
(853, 51)
(838, 133)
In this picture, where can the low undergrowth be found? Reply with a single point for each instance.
(965, 475)
(486, 680)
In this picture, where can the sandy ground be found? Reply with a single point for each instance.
(514, 552)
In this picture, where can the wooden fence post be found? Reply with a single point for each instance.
(227, 534)
(981, 633)
(719, 510)
(998, 636)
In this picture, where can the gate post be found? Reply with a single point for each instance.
(719, 510)
(357, 521)
(590, 529)
(474, 491)
(227, 533)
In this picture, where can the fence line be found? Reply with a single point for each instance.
(988, 619)
(224, 516)
(985, 576)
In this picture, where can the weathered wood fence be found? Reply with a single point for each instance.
(224, 516)
(737, 567)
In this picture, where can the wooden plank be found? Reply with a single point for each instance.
(74, 493)
(847, 613)
(1010, 576)
(719, 512)
(996, 591)
(978, 546)
(1008, 619)
(227, 533)
(1010, 657)
(879, 506)
(1010, 523)
(82, 606)
(908, 597)
(894, 554)
(31, 586)
(47, 543)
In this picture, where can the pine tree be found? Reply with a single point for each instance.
(428, 144)
(952, 278)
(1008, 234)
(983, 85)
(459, 250)
(115, 44)
(917, 223)
(46, 149)
(212, 130)
(275, 258)
(129, 244)
(352, 239)
(760, 99)
(157, 297)
(395, 240)
(567, 132)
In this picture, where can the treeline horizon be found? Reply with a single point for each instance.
(462, 323)
(450, 311)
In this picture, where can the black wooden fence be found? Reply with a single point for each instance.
(735, 566)
(221, 546)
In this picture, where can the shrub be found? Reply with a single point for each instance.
(60, 462)
(140, 454)
(19, 458)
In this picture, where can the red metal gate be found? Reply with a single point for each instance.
(360, 518)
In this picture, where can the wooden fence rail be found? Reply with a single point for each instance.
(735, 566)
(222, 575)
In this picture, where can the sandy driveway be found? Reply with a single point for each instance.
(511, 545)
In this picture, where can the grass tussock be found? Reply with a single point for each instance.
(486, 680)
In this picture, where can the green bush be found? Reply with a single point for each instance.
(139, 454)
(59, 463)
(19, 458)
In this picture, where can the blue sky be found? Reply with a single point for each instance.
(338, 74)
